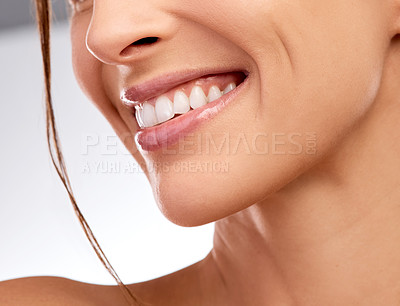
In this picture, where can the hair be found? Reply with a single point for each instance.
(43, 16)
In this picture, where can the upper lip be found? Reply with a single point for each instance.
(155, 87)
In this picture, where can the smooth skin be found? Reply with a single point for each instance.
(292, 229)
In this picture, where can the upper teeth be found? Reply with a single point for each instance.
(197, 97)
(147, 115)
(214, 93)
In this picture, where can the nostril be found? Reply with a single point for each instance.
(145, 41)
(134, 47)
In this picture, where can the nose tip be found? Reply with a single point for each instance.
(117, 34)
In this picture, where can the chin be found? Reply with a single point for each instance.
(192, 199)
(197, 198)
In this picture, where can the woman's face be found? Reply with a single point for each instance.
(306, 71)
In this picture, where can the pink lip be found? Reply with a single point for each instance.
(158, 86)
(170, 132)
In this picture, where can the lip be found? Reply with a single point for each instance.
(170, 132)
(155, 87)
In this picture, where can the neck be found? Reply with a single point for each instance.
(331, 236)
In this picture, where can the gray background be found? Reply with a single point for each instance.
(17, 13)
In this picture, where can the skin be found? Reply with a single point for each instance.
(301, 229)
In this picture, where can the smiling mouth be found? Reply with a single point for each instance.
(172, 106)
(185, 97)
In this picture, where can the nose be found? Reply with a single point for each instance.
(123, 30)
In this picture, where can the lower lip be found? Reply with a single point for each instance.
(170, 132)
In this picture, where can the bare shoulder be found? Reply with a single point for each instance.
(183, 287)
(56, 291)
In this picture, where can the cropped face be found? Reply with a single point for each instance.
(225, 102)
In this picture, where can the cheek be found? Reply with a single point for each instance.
(336, 57)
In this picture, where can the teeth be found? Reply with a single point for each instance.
(164, 109)
(147, 115)
(139, 116)
(214, 94)
(181, 103)
(197, 97)
(229, 88)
